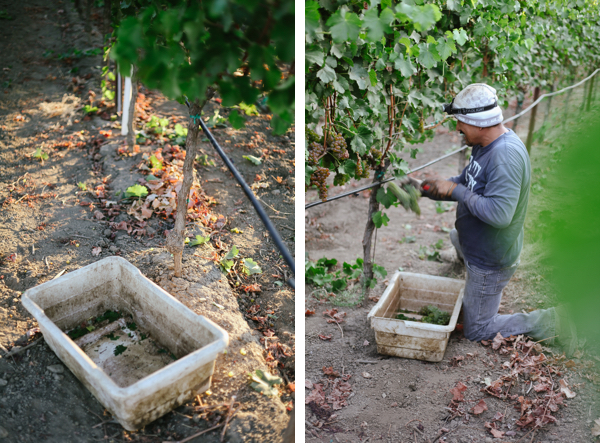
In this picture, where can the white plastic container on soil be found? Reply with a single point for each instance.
(144, 382)
(413, 339)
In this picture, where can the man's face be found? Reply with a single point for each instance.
(469, 131)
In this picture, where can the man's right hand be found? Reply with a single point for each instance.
(437, 189)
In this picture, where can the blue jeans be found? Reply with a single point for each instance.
(483, 292)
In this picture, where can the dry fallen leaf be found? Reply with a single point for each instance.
(309, 313)
(330, 371)
(596, 428)
(479, 408)
(564, 388)
(325, 337)
(498, 341)
(96, 251)
(366, 375)
(496, 433)
(457, 392)
(308, 384)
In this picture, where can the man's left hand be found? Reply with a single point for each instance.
(438, 189)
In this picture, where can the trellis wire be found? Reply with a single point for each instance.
(524, 111)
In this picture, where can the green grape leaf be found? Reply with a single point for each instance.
(226, 265)
(404, 65)
(312, 17)
(232, 253)
(339, 284)
(380, 219)
(253, 159)
(387, 199)
(326, 74)
(423, 17)
(379, 270)
(344, 26)
(281, 122)
(406, 42)
(428, 55)
(373, 24)
(136, 191)
(387, 17)
(315, 56)
(251, 267)
(236, 120)
(363, 140)
(154, 162)
(359, 75)
(200, 240)
(373, 77)
(460, 36)
(445, 47)
(180, 130)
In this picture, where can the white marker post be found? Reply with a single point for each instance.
(126, 104)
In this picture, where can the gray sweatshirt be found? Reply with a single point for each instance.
(492, 195)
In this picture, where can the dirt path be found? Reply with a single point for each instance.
(401, 400)
(54, 216)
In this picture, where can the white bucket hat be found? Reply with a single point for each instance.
(476, 105)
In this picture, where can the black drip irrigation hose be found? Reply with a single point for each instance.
(372, 185)
(259, 209)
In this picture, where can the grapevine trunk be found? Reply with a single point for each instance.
(175, 240)
(370, 227)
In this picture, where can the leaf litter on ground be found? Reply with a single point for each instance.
(542, 395)
(330, 393)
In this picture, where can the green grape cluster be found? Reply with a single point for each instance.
(362, 169)
(311, 135)
(318, 179)
(338, 145)
(315, 152)
(376, 153)
(407, 195)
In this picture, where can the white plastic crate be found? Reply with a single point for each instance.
(136, 387)
(413, 339)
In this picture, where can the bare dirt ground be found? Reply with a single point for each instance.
(372, 397)
(56, 215)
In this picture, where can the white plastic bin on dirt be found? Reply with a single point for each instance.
(413, 339)
(134, 386)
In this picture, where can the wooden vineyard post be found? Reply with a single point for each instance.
(175, 239)
(536, 95)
